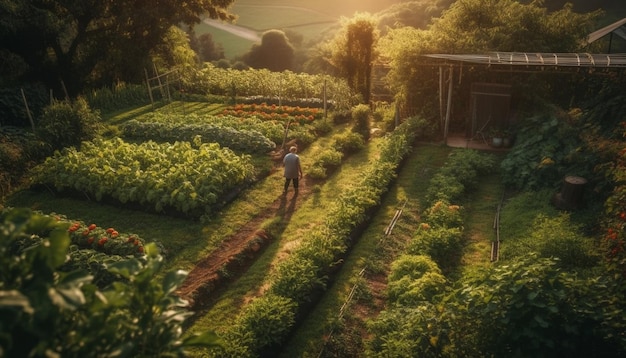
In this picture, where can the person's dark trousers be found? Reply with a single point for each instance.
(295, 183)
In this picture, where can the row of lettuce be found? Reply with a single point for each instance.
(188, 165)
(253, 129)
(299, 279)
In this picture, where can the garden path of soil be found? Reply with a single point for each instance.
(201, 284)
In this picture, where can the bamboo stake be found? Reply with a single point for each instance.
(30, 116)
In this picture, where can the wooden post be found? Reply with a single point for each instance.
(324, 94)
(441, 95)
(30, 117)
(449, 106)
(149, 88)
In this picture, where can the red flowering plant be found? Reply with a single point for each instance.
(108, 241)
(301, 115)
(614, 237)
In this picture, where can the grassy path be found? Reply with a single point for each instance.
(336, 327)
(309, 214)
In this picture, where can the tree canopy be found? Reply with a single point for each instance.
(77, 43)
(275, 52)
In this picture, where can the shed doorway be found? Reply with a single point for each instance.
(489, 107)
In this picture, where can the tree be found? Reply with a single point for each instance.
(476, 26)
(275, 52)
(81, 43)
(354, 52)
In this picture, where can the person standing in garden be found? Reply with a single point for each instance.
(293, 170)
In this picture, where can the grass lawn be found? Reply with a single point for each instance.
(308, 18)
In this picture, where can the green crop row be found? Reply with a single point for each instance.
(297, 280)
(189, 178)
(243, 140)
(212, 80)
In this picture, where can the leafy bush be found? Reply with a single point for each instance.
(264, 323)
(442, 214)
(530, 308)
(459, 174)
(414, 279)
(556, 237)
(343, 116)
(404, 331)
(65, 124)
(322, 127)
(361, 120)
(441, 244)
(547, 149)
(444, 187)
(46, 312)
(348, 143)
(296, 279)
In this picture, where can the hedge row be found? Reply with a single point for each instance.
(298, 280)
(416, 276)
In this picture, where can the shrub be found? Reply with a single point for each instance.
(339, 117)
(349, 142)
(65, 124)
(413, 279)
(296, 279)
(360, 117)
(317, 172)
(441, 244)
(557, 237)
(265, 322)
(442, 214)
(401, 332)
(46, 312)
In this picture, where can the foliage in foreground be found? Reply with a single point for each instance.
(45, 312)
(526, 306)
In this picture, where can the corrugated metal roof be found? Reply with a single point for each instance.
(617, 28)
(539, 59)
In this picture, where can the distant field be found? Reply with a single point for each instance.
(312, 18)
(309, 18)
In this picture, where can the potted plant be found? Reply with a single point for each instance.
(497, 137)
(507, 139)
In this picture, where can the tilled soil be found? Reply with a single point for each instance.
(205, 279)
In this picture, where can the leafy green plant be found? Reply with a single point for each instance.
(180, 176)
(121, 95)
(360, 118)
(528, 307)
(442, 214)
(49, 312)
(403, 331)
(414, 279)
(243, 140)
(441, 244)
(563, 239)
(458, 175)
(348, 143)
(64, 124)
(548, 148)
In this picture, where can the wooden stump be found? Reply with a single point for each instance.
(571, 194)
